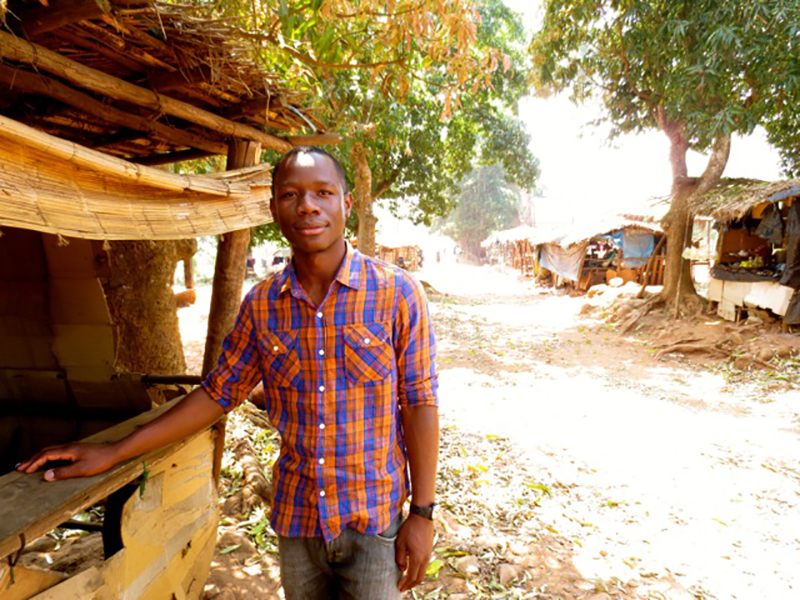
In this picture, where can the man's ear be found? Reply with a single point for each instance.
(348, 204)
(272, 209)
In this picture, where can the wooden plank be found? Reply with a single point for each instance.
(31, 507)
(78, 302)
(14, 48)
(28, 581)
(84, 345)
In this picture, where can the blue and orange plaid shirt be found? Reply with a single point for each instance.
(335, 377)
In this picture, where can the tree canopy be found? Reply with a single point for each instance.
(487, 203)
(699, 70)
(412, 128)
(717, 67)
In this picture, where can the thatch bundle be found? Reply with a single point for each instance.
(733, 198)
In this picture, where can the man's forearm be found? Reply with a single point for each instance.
(421, 433)
(192, 414)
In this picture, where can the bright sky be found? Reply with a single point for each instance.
(579, 168)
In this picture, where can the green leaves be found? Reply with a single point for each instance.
(716, 67)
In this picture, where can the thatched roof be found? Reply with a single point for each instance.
(732, 198)
(107, 74)
(83, 193)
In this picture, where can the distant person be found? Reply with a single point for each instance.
(344, 346)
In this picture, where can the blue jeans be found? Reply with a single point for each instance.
(353, 566)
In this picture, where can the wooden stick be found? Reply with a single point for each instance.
(171, 157)
(649, 266)
(39, 84)
(14, 48)
(319, 139)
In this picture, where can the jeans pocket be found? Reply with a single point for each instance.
(389, 535)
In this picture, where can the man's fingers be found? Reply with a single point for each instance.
(46, 456)
(412, 576)
(59, 473)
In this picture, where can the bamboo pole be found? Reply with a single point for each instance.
(39, 84)
(14, 48)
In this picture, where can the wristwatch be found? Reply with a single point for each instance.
(426, 512)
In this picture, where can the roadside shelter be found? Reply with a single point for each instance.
(757, 264)
(92, 96)
(586, 254)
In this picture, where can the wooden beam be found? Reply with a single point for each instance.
(39, 84)
(131, 66)
(40, 19)
(14, 48)
(165, 81)
(317, 139)
(171, 157)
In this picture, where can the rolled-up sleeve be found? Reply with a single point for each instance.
(415, 347)
(238, 370)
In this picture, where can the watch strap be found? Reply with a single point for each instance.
(426, 512)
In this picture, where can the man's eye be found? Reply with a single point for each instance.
(286, 195)
(325, 192)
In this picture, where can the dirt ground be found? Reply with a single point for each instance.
(578, 462)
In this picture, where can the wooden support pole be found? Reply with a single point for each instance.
(17, 49)
(226, 293)
(39, 84)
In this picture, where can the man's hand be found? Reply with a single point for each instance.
(413, 550)
(87, 459)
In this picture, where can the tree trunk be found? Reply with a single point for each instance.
(230, 266)
(678, 224)
(363, 201)
(142, 305)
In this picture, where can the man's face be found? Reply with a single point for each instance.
(310, 205)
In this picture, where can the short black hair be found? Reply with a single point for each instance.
(309, 150)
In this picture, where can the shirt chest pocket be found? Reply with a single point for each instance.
(368, 352)
(279, 354)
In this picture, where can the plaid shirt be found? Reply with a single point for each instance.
(334, 379)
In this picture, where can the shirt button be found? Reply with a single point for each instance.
(322, 493)
(322, 425)
(322, 461)
(319, 315)
(366, 340)
(322, 388)
(274, 348)
(322, 352)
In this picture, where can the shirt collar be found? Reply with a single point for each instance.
(349, 272)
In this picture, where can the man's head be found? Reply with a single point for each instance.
(308, 150)
(310, 202)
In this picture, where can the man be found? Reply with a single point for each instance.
(345, 349)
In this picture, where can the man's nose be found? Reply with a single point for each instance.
(307, 203)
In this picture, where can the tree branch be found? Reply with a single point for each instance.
(720, 152)
(627, 65)
(305, 58)
(384, 185)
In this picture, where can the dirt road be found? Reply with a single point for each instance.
(583, 466)
(668, 478)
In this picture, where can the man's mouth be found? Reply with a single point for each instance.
(311, 229)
